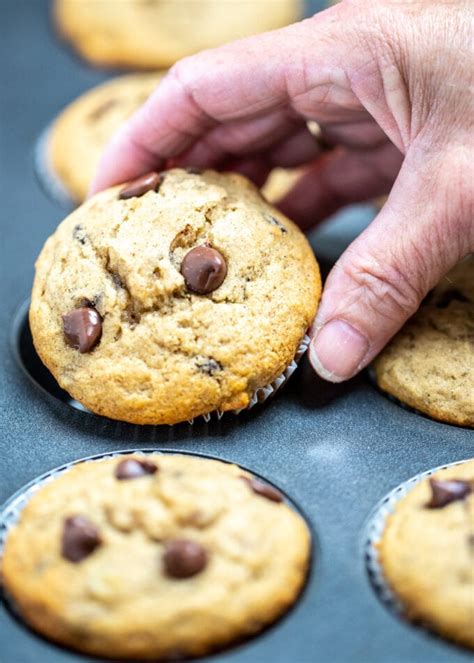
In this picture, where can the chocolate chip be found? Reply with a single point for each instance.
(275, 222)
(452, 295)
(82, 328)
(80, 538)
(117, 281)
(204, 269)
(263, 489)
(208, 365)
(192, 170)
(428, 298)
(79, 234)
(102, 109)
(184, 558)
(445, 492)
(131, 468)
(136, 188)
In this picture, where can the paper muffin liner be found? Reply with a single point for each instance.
(49, 180)
(372, 536)
(261, 394)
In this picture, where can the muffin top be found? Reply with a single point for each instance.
(173, 296)
(155, 555)
(80, 133)
(427, 552)
(429, 365)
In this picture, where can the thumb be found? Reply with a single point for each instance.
(425, 227)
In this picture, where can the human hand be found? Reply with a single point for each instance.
(389, 83)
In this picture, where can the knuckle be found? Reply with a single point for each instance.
(381, 287)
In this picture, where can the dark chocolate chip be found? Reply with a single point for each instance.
(184, 558)
(208, 365)
(117, 280)
(428, 298)
(263, 489)
(275, 222)
(80, 538)
(98, 112)
(192, 170)
(445, 492)
(132, 468)
(204, 269)
(79, 234)
(82, 328)
(136, 188)
(452, 295)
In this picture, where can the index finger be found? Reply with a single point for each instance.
(295, 68)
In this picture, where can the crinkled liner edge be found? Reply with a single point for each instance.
(373, 531)
(44, 170)
(261, 394)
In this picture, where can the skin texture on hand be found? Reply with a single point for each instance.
(390, 83)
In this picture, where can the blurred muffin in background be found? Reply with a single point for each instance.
(80, 133)
(150, 34)
(71, 152)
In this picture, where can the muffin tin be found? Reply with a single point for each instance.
(335, 450)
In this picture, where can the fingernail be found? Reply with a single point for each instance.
(338, 350)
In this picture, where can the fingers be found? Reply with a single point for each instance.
(340, 178)
(422, 231)
(240, 82)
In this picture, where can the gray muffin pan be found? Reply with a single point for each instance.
(334, 450)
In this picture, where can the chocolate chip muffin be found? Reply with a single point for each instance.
(155, 556)
(427, 552)
(429, 365)
(173, 296)
(157, 33)
(78, 136)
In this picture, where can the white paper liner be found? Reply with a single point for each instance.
(53, 186)
(261, 394)
(373, 532)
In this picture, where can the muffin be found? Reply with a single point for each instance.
(157, 33)
(156, 556)
(173, 296)
(429, 365)
(78, 136)
(427, 552)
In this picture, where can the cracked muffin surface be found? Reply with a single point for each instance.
(130, 337)
(429, 364)
(427, 552)
(156, 555)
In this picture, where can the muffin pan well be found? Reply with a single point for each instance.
(374, 530)
(335, 449)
